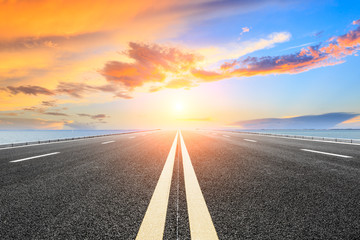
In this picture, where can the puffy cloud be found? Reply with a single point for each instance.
(244, 30)
(56, 114)
(329, 53)
(51, 103)
(29, 90)
(43, 43)
(350, 39)
(99, 116)
(34, 109)
(96, 116)
(151, 63)
(43, 109)
(208, 76)
(180, 83)
(292, 63)
(79, 90)
(165, 65)
(356, 22)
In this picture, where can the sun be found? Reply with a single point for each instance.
(178, 107)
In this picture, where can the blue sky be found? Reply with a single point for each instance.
(321, 90)
(177, 64)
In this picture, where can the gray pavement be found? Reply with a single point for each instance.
(267, 188)
(271, 189)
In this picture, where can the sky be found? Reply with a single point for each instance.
(178, 64)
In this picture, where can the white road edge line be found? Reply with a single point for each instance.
(326, 153)
(201, 225)
(226, 136)
(153, 224)
(249, 140)
(39, 156)
(107, 142)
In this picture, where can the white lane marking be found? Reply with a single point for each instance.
(177, 196)
(201, 225)
(226, 136)
(39, 156)
(132, 137)
(153, 224)
(326, 153)
(107, 142)
(249, 140)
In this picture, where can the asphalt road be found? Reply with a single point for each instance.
(253, 187)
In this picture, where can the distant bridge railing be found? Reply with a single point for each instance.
(316, 138)
(6, 145)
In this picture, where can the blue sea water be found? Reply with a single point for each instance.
(19, 136)
(331, 133)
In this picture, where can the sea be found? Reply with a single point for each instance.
(327, 133)
(20, 136)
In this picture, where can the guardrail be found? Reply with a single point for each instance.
(343, 140)
(66, 139)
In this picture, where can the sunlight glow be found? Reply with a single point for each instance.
(178, 107)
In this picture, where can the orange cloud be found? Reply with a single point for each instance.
(308, 58)
(48, 42)
(155, 63)
(44, 42)
(180, 83)
(170, 67)
(151, 63)
(96, 116)
(353, 120)
(208, 76)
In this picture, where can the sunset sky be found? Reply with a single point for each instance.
(165, 64)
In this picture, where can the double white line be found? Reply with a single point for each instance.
(153, 224)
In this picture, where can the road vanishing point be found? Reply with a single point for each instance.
(199, 185)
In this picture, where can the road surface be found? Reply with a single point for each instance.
(181, 185)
